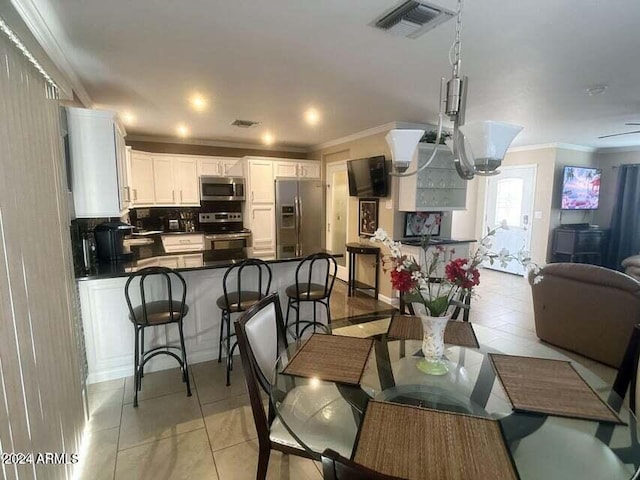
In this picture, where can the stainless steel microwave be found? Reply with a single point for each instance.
(221, 188)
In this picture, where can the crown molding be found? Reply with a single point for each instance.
(216, 143)
(44, 34)
(368, 132)
(631, 148)
(563, 146)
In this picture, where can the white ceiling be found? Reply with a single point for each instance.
(529, 63)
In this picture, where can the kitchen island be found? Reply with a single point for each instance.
(109, 335)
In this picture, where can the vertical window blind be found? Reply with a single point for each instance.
(41, 405)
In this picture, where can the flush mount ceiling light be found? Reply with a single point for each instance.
(128, 118)
(488, 141)
(268, 138)
(182, 130)
(198, 102)
(312, 116)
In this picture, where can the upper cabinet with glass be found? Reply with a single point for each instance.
(437, 187)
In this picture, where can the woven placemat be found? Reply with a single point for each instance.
(552, 387)
(408, 327)
(422, 444)
(333, 358)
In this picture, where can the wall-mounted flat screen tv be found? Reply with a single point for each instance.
(368, 177)
(581, 188)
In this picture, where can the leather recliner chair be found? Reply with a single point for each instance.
(586, 309)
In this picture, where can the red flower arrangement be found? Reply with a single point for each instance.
(421, 283)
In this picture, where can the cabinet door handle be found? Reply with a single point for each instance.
(127, 194)
(180, 196)
(226, 169)
(252, 195)
(253, 214)
(135, 194)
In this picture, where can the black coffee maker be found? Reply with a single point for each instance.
(110, 241)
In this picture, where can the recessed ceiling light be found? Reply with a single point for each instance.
(198, 102)
(596, 90)
(268, 138)
(182, 130)
(128, 118)
(312, 116)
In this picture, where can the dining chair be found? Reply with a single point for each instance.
(627, 376)
(337, 467)
(239, 299)
(156, 313)
(261, 338)
(306, 290)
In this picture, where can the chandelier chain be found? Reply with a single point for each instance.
(457, 44)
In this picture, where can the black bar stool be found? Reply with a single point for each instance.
(153, 314)
(240, 300)
(305, 290)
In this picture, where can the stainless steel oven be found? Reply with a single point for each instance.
(221, 188)
(227, 241)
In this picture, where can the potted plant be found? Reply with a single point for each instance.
(433, 298)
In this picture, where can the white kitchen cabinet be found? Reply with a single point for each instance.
(263, 233)
(261, 182)
(98, 163)
(209, 167)
(142, 181)
(309, 170)
(185, 172)
(437, 187)
(221, 167)
(286, 170)
(232, 167)
(163, 181)
(297, 169)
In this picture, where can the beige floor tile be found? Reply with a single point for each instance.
(157, 384)
(104, 386)
(240, 462)
(100, 460)
(105, 409)
(229, 422)
(210, 379)
(181, 457)
(159, 418)
(517, 330)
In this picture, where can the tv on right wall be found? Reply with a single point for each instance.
(581, 188)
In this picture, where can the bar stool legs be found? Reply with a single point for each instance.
(142, 357)
(295, 305)
(224, 342)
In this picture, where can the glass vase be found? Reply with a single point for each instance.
(433, 344)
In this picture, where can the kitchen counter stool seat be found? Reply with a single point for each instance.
(159, 312)
(257, 274)
(249, 299)
(306, 289)
(156, 313)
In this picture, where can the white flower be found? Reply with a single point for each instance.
(486, 242)
(504, 257)
(416, 276)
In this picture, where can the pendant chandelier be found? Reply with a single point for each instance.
(478, 148)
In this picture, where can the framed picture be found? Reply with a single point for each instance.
(368, 216)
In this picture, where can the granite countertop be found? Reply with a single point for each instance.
(152, 255)
(416, 242)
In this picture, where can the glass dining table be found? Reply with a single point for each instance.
(320, 414)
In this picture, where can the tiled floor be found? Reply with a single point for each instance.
(211, 435)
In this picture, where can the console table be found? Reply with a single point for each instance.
(579, 244)
(354, 249)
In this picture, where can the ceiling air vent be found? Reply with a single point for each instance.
(244, 123)
(412, 18)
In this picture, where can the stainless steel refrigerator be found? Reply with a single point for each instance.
(299, 220)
